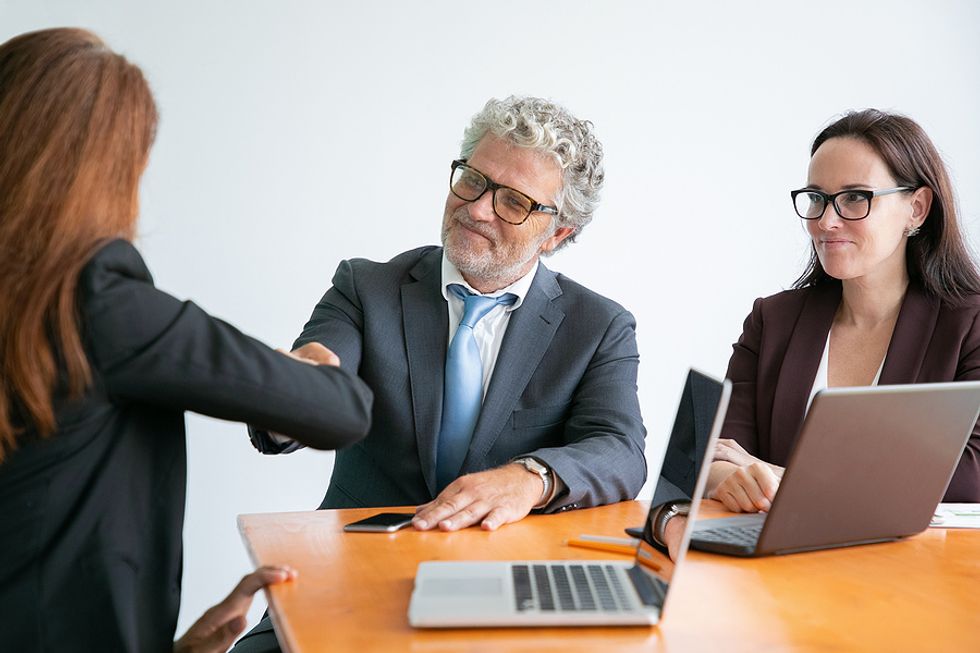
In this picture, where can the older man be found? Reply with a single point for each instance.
(500, 386)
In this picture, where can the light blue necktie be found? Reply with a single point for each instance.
(463, 394)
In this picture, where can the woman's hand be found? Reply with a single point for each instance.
(742, 482)
(748, 488)
(731, 451)
(216, 631)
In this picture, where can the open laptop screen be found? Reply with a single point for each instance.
(700, 414)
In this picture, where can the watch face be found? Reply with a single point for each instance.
(533, 465)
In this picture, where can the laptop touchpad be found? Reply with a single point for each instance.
(463, 587)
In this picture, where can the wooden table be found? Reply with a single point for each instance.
(920, 594)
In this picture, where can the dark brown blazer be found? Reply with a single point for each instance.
(776, 359)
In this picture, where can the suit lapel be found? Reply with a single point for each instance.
(530, 331)
(913, 332)
(425, 319)
(799, 368)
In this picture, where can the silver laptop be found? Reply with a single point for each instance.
(870, 465)
(583, 592)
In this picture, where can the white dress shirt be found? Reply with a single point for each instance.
(488, 332)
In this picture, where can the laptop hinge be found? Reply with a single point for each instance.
(650, 590)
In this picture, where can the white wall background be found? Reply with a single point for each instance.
(295, 134)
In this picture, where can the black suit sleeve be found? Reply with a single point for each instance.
(149, 347)
(338, 320)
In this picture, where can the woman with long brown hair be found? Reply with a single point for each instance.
(890, 295)
(97, 367)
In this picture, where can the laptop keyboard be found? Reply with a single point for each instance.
(570, 588)
(740, 535)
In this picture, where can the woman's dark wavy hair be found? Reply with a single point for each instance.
(937, 258)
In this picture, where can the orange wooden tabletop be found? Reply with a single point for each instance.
(920, 594)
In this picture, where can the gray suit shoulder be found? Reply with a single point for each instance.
(399, 263)
(598, 307)
(391, 272)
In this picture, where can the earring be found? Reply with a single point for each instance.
(912, 231)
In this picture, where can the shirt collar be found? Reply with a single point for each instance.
(520, 287)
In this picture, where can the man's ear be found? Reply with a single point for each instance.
(561, 233)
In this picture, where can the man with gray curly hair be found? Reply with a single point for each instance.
(500, 387)
(549, 136)
(548, 128)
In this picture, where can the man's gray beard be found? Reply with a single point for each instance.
(483, 268)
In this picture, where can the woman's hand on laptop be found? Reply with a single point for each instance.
(745, 488)
(731, 451)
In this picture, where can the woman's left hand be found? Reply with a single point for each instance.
(731, 451)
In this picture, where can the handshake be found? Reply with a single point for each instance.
(313, 353)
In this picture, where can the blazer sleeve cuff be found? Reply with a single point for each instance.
(270, 443)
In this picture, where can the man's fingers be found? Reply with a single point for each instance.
(294, 356)
(442, 508)
(466, 517)
(317, 354)
(472, 498)
(490, 498)
(497, 518)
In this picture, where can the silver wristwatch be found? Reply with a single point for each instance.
(667, 512)
(543, 472)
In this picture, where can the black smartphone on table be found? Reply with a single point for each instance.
(383, 522)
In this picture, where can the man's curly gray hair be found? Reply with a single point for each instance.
(550, 128)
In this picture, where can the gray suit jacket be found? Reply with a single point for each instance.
(563, 389)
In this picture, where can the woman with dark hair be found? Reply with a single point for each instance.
(97, 367)
(890, 296)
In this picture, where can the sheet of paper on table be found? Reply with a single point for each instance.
(956, 515)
